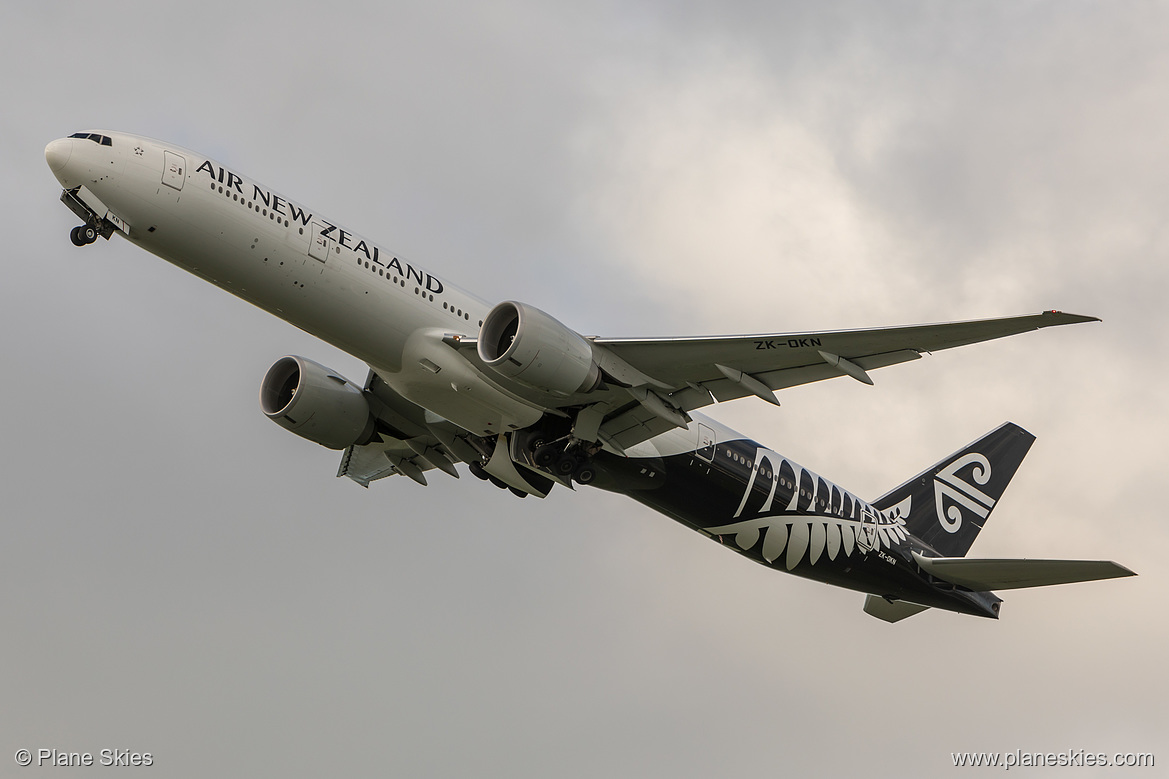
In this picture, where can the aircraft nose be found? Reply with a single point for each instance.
(58, 152)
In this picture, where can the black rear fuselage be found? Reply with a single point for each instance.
(779, 514)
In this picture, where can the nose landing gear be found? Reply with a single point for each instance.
(99, 221)
(83, 235)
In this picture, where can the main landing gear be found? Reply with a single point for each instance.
(572, 462)
(83, 235)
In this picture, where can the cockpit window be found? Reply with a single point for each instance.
(103, 140)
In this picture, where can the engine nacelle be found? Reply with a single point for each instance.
(316, 403)
(523, 343)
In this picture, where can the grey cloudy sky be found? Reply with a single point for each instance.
(180, 576)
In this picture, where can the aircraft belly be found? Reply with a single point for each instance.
(440, 379)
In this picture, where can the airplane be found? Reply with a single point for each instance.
(527, 403)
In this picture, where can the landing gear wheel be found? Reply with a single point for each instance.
(566, 465)
(545, 455)
(585, 474)
(83, 234)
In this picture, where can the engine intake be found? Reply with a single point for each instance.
(523, 343)
(316, 403)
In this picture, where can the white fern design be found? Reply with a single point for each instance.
(813, 536)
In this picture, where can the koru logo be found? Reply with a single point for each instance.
(961, 494)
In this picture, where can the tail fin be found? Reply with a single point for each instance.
(948, 504)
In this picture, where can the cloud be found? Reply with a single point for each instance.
(711, 195)
(179, 572)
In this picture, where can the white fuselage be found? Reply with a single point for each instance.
(304, 268)
(241, 236)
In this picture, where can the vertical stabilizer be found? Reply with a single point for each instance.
(948, 504)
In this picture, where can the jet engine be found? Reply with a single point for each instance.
(523, 343)
(316, 403)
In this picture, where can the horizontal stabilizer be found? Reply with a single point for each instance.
(986, 575)
(891, 611)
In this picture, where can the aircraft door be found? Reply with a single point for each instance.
(706, 441)
(318, 245)
(174, 169)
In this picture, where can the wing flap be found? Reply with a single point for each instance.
(724, 389)
(984, 575)
(379, 459)
(633, 426)
(793, 377)
(365, 464)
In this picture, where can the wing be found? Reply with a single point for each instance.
(787, 359)
(409, 441)
(688, 373)
(652, 383)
